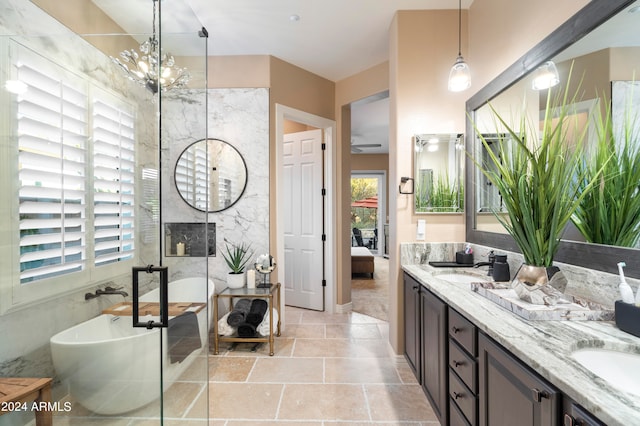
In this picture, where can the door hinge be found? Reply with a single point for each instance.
(324, 146)
(324, 283)
(324, 192)
(324, 237)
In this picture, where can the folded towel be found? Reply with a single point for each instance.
(224, 329)
(239, 313)
(257, 311)
(183, 336)
(263, 328)
(246, 330)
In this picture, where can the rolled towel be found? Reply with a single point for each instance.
(239, 313)
(263, 328)
(224, 329)
(246, 330)
(256, 312)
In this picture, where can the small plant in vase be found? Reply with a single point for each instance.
(537, 170)
(237, 256)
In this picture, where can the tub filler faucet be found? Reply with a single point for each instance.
(107, 290)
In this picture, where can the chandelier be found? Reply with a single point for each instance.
(152, 68)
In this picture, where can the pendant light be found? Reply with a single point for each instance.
(460, 75)
(545, 76)
(152, 68)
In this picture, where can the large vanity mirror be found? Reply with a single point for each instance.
(210, 175)
(601, 46)
(439, 173)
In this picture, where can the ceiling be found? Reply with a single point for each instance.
(334, 39)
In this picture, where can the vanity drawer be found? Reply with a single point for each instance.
(456, 418)
(464, 366)
(464, 332)
(463, 398)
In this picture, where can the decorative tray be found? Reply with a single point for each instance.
(574, 309)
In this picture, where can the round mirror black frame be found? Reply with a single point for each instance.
(207, 206)
(592, 256)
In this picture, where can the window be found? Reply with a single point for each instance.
(76, 169)
(52, 138)
(113, 182)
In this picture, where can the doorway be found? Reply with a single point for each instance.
(327, 128)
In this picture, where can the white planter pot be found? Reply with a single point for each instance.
(235, 280)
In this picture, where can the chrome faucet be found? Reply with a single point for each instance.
(107, 290)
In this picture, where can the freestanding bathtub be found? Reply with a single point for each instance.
(111, 367)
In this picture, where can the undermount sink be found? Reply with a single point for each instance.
(620, 369)
(462, 277)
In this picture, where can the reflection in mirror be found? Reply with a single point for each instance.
(439, 173)
(608, 53)
(592, 67)
(210, 175)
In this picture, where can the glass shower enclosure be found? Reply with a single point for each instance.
(95, 296)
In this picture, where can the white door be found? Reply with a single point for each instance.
(302, 195)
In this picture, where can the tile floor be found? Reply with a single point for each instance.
(333, 370)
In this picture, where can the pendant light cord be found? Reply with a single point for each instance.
(459, 27)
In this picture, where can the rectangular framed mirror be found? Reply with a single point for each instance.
(438, 164)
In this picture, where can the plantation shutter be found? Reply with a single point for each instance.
(191, 175)
(52, 134)
(114, 178)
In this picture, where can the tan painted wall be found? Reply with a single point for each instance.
(500, 32)
(296, 88)
(424, 45)
(359, 86)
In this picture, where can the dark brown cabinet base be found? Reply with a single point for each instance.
(510, 394)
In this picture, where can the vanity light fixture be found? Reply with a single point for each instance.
(152, 68)
(545, 76)
(460, 75)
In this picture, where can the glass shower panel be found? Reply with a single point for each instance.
(186, 232)
(86, 169)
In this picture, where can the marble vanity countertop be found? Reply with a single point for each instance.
(546, 346)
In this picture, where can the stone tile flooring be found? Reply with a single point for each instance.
(333, 370)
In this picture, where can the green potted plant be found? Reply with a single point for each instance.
(610, 213)
(537, 169)
(237, 256)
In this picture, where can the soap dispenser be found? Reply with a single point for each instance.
(501, 268)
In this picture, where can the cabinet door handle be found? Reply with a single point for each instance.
(457, 395)
(538, 394)
(415, 287)
(455, 329)
(569, 421)
(457, 363)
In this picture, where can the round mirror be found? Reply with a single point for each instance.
(210, 175)
(265, 264)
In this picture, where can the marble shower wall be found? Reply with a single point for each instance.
(239, 117)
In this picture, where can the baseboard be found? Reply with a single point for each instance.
(343, 309)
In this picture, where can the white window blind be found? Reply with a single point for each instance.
(113, 181)
(191, 175)
(52, 134)
(76, 198)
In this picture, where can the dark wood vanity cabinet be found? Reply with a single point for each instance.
(425, 332)
(470, 379)
(434, 348)
(510, 393)
(575, 415)
(463, 374)
(412, 323)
